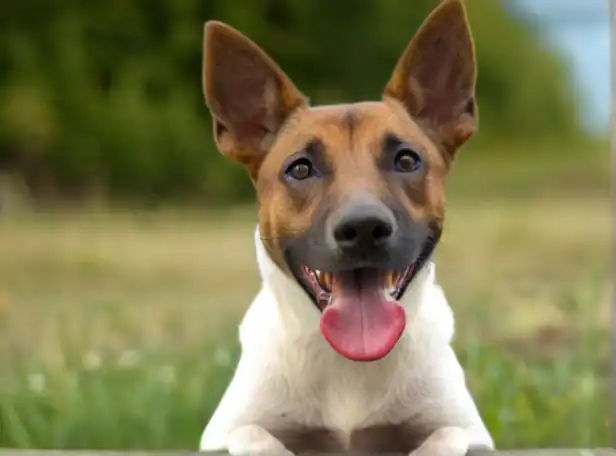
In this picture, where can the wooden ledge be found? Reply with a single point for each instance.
(539, 452)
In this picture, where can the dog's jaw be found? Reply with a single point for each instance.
(298, 311)
(319, 284)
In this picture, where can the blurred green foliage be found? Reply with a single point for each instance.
(106, 96)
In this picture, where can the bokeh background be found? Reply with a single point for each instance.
(126, 255)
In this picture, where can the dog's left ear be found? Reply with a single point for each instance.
(435, 77)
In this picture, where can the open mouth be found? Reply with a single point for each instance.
(362, 318)
(392, 282)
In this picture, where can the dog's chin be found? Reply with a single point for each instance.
(361, 314)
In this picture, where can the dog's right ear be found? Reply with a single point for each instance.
(248, 95)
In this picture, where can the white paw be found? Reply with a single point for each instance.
(447, 441)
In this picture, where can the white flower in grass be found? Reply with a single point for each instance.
(129, 358)
(37, 382)
(166, 374)
(222, 356)
(92, 361)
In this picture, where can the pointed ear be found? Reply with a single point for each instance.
(248, 95)
(435, 77)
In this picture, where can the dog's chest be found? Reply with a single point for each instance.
(343, 398)
(343, 405)
(325, 390)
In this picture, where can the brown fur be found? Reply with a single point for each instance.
(261, 119)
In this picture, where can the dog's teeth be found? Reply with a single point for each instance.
(327, 281)
(324, 279)
(391, 279)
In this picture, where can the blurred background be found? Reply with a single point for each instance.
(126, 254)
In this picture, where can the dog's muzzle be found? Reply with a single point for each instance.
(356, 265)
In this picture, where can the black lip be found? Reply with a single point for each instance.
(299, 278)
(423, 257)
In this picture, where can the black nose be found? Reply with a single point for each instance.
(365, 226)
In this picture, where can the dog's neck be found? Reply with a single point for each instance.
(299, 313)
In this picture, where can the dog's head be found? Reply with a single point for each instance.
(351, 196)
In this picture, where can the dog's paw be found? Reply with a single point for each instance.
(447, 441)
(253, 440)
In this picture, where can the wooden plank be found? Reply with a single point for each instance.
(538, 452)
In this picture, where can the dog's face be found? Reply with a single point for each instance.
(351, 196)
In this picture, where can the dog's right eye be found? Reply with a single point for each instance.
(300, 169)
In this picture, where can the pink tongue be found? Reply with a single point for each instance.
(362, 323)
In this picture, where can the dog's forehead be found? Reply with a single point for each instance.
(353, 127)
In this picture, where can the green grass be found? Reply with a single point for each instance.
(119, 329)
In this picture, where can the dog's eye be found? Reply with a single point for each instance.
(407, 161)
(300, 169)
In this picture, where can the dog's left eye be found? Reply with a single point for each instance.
(300, 169)
(407, 161)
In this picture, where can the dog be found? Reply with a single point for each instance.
(347, 345)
